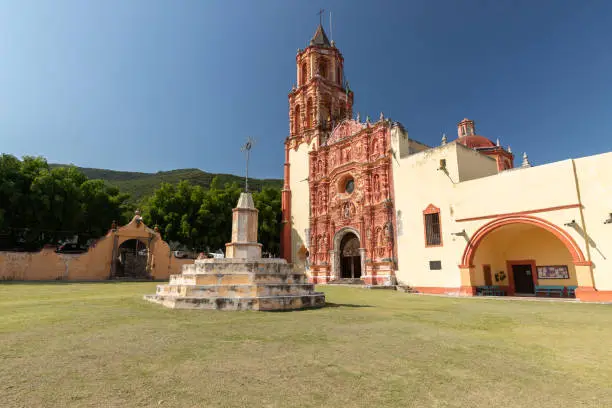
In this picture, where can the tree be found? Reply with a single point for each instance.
(268, 202)
(203, 219)
(57, 199)
(100, 205)
(17, 213)
(215, 214)
(37, 201)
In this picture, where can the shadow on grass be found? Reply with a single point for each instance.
(328, 304)
(76, 282)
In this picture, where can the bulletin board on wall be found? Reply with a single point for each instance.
(553, 272)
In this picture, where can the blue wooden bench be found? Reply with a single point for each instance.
(571, 291)
(490, 291)
(550, 290)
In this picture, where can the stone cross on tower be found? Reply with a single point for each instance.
(247, 148)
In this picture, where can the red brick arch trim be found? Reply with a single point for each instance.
(431, 209)
(471, 247)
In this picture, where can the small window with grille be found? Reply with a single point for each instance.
(435, 265)
(433, 230)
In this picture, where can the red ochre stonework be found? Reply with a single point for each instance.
(357, 152)
(317, 104)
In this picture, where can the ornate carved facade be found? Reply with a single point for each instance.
(350, 192)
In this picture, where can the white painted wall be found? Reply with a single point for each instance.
(418, 183)
(594, 175)
(300, 198)
(520, 189)
(473, 165)
(473, 189)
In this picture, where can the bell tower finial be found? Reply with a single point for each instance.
(525, 160)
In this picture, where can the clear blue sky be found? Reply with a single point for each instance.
(157, 85)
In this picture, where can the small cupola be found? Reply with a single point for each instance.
(466, 128)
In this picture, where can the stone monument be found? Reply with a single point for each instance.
(241, 281)
(244, 230)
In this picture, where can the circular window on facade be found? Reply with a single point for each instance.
(349, 187)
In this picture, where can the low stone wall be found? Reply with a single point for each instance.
(49, 265)
(94, 265)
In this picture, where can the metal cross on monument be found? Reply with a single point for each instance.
(247, 149)
(320, 13)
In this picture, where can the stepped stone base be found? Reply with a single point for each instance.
(238, 284)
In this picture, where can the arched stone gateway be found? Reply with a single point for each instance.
(132, 260)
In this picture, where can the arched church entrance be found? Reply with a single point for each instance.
(132, 260)
(350, 259)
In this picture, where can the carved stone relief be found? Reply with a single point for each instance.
(361, 210)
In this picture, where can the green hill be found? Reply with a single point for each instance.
(140, 185)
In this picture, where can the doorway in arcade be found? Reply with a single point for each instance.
(520, 258)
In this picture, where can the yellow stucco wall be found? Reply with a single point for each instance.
(473, 165)
(163, 262)
(417, 184)
(49, 265)
(93, 265)
(26, 266)
(594, 175)
(517, 190)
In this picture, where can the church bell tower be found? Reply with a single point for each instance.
(318, 101)
(321, 98)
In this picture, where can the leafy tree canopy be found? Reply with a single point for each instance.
(39, 204)
(202, 219)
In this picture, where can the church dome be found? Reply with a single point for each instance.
(466, 131)
(475, 141)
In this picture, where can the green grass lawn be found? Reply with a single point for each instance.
(101, 345)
